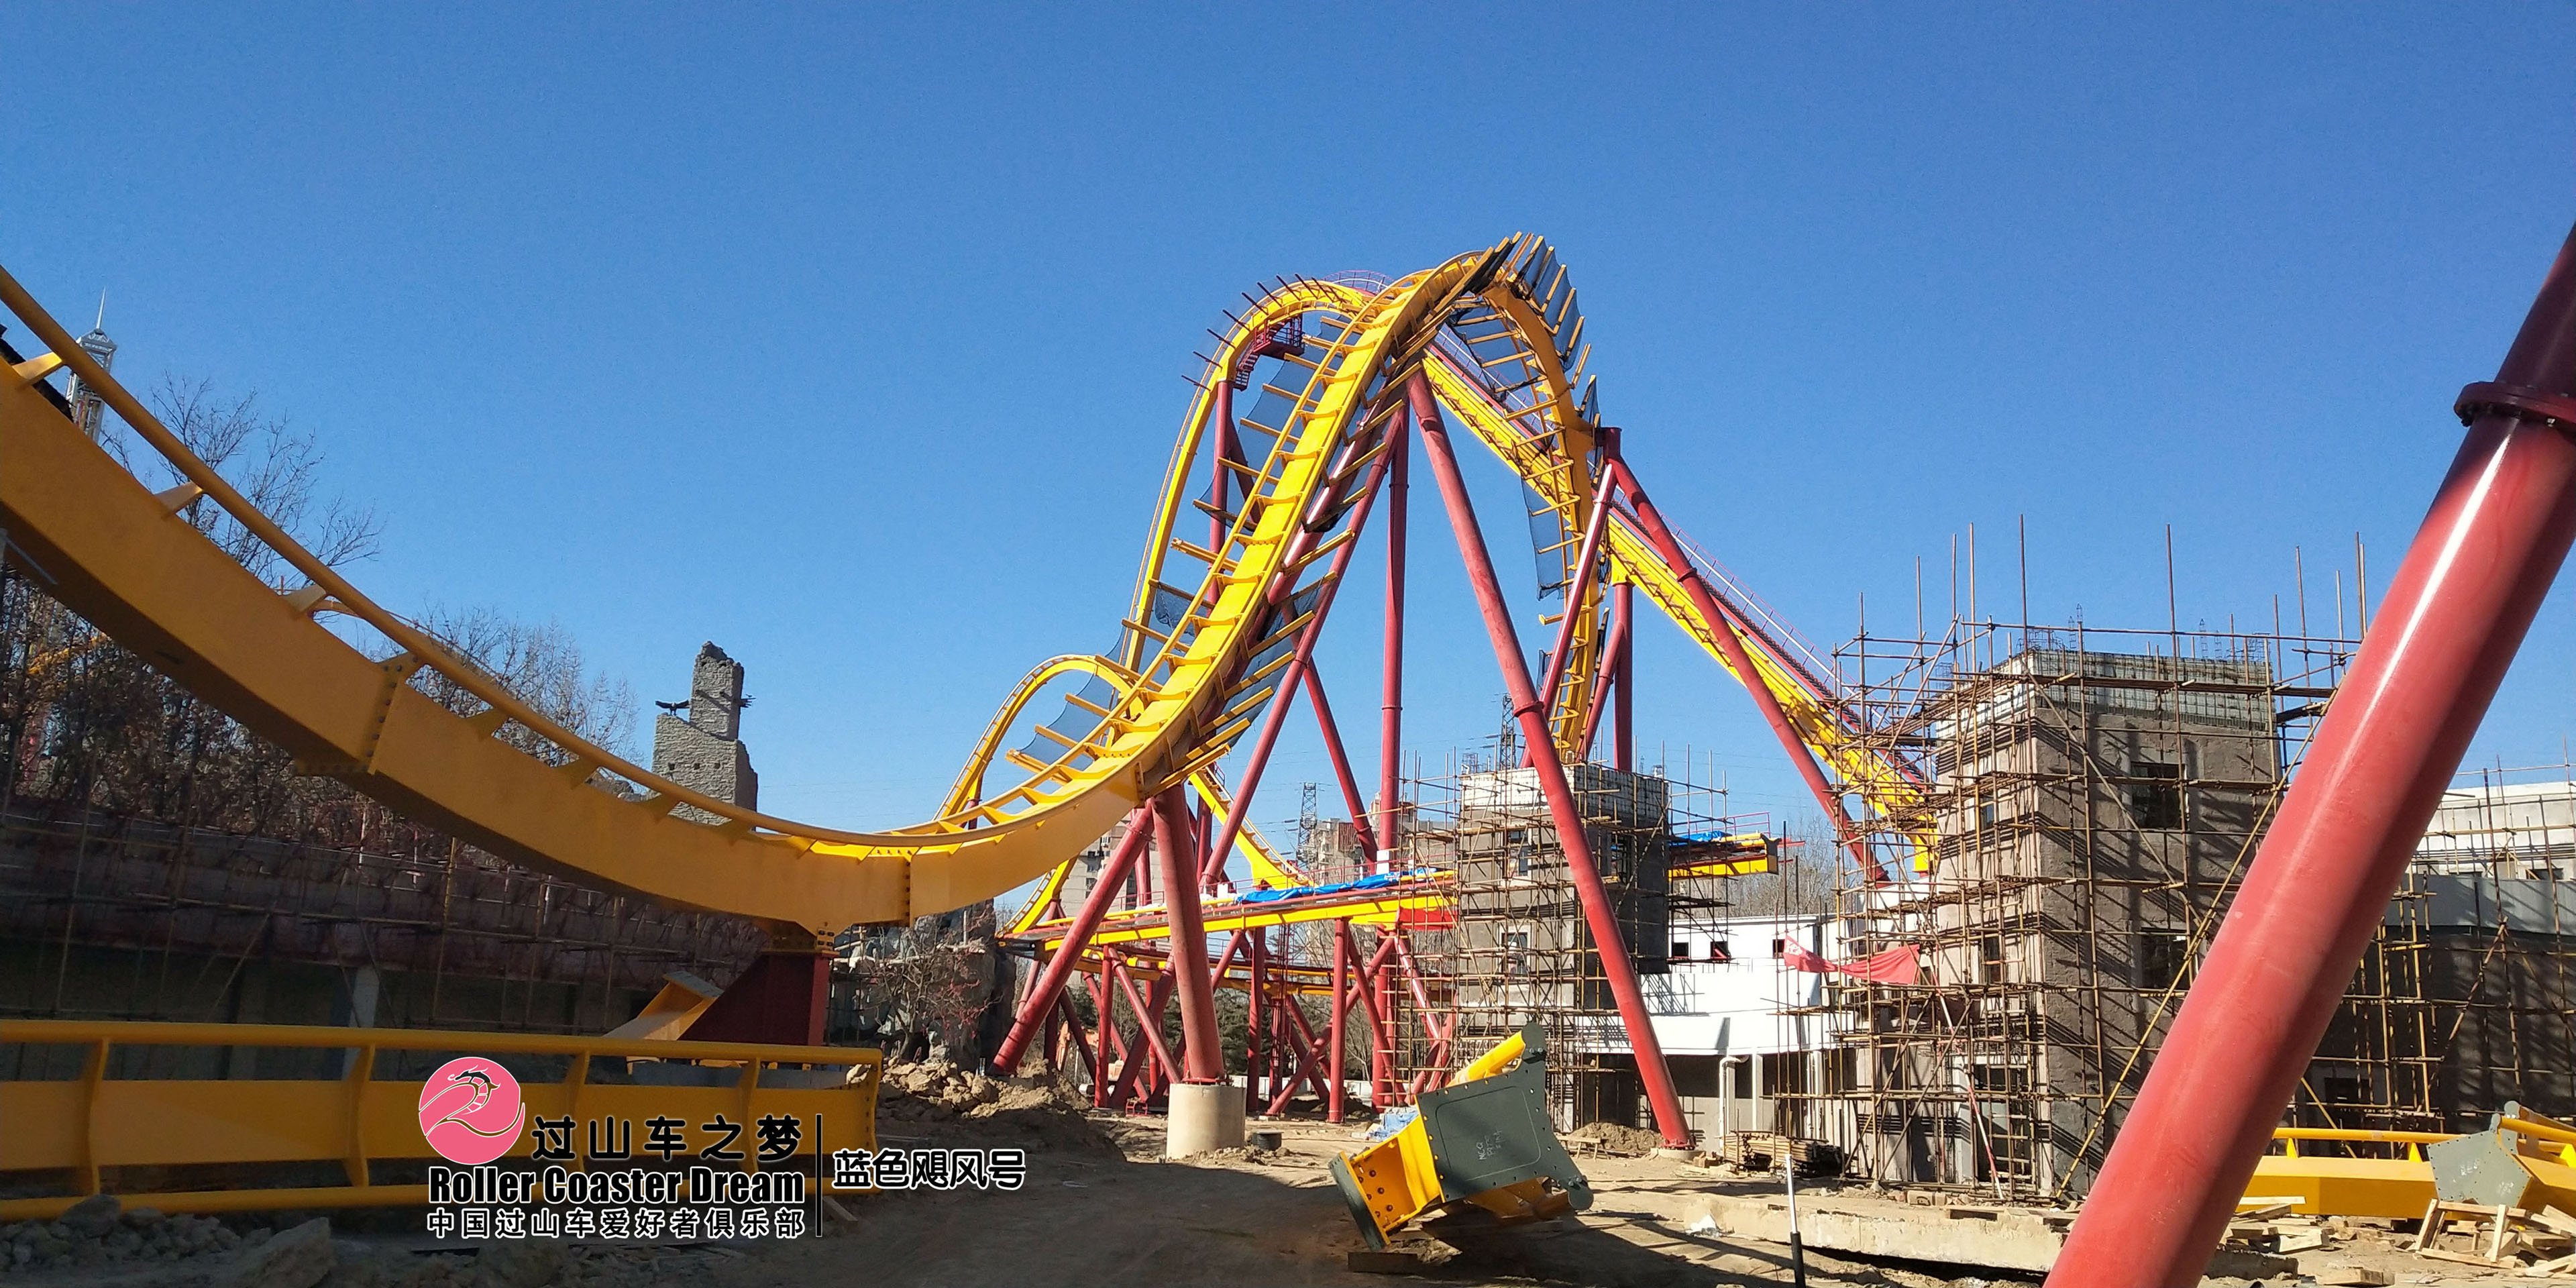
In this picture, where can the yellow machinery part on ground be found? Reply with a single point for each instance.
(2522, 1160)
(1485, 1141)
(2385, 1187)
(2322, 1184)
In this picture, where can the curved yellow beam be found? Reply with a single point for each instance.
(1206, 782)
(119, 556)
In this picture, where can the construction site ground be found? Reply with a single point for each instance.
(1101, 1206)
(1245, 1217)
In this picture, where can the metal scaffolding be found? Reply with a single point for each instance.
(116, 917)
(2090, 799)
(1517, 949)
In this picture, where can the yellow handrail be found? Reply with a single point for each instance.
(95, 1122)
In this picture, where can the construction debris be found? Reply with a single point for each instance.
(296, 1258)
(1761, 1151)
(1385, 1263)
(936, 1091)
(2346, 1276)
(2496, 1237)
(96, 1233)
(1611, 1138)
(1046, 1112)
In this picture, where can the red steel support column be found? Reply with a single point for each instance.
(2448, 627)
(1590, 552)
(1254, 1017)
(1607, 681)
(1059, 968)
(1382, 1012)
(1368, 987)
(1200, 830)
(1741, 661)
(1595, 898)
(1297, 1043)
(1623, 657)
(1202, 1059)
(1341, 1007)
(1075, 1041)
(1143, 1061)
(1390, 758)
(1223, 843)
(1109, 1042)
(1332, 735)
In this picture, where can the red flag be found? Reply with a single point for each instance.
(1895, 966)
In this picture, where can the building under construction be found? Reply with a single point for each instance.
(2089, 801)
(1517, 947)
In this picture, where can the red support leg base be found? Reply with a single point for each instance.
(779, 1000)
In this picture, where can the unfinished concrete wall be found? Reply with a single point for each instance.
(2089, 807)
(104, 917)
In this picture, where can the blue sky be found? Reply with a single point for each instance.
(855, 339)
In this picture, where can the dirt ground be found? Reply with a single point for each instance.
(1101, 1206)
(1085, 1219)
(1130, 1217)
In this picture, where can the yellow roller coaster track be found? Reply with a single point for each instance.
(1208, 632)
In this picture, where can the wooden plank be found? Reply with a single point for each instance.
(2466, 1258)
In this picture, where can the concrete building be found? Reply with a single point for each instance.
(2086, 809)
(1519, 949)
(1740, 1028)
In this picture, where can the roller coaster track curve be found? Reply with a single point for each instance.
(1201, 651)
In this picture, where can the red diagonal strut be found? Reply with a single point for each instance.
(2454, 615)
(1550, 770)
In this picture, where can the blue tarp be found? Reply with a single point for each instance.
(1380, 881)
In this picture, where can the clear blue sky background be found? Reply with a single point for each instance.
(855, 340)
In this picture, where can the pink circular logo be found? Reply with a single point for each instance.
(470, 1110)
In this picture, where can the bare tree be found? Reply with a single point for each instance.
(275, 466)
(539, 664)
(930, 988)
(1801, 881)
(90, 725)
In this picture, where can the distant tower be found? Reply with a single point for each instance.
(704, 751)
(88, 409)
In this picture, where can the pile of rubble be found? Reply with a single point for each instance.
(1611, 1138)
(1039, 1112)
(936, 1091)
(97, 1231)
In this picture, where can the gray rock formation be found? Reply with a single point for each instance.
(704, 751)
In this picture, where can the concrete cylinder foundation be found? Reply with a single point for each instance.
(1204, 1116)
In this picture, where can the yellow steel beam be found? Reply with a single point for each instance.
(2389, 1187)
(84, 1125)
(1229, 915)
(1634, 559)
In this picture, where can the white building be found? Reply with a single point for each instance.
(1738, 1026)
